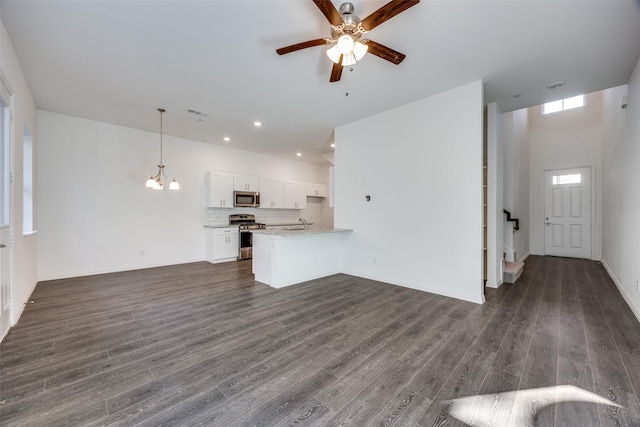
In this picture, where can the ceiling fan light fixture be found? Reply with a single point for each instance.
(334, 54)
(359, 50)
(345, 44)
(348, 59)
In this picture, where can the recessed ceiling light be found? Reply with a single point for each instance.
(257, 124)
(555, 85)
(227, 139)
(333, 145)
(299, 154)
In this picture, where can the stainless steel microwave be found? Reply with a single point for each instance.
(247, 199)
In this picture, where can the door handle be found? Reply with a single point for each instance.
(2, 245)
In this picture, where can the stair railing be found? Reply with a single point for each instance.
(516, 226)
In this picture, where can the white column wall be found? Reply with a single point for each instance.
(421, 164)
(95, 214)
(495, 192)
(621, 189)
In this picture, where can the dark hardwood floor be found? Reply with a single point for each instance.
(203, 344)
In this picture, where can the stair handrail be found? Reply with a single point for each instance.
(516, 226)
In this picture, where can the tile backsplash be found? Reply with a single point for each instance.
(218, 216)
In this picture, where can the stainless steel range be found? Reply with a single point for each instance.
(246, 224)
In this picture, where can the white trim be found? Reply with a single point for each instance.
(626, 297)
(524, 257)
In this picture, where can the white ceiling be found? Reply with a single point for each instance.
(117, 61)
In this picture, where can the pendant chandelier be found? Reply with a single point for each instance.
(155, 181)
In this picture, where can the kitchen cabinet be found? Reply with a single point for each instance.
(295, 195)
(271, 194)
(221, 190)
(316, 190)
(246, 183)
(221, 244)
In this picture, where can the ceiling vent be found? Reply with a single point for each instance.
(198, 112)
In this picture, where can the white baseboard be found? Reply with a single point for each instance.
(495, 285)
(419, 286)
(525, 256)
(635, 310)
(81, 273)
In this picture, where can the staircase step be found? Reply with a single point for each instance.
(512, 271)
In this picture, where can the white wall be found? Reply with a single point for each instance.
(24, 278)
(621, 189)
(516, 183)
(563, 140)
(95, 214)
(421, 163)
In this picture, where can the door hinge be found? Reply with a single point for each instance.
(10, 116)
(10, 178)
(10, 241)
(11, 304)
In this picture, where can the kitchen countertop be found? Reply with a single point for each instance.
(303, 232)
(288, 224)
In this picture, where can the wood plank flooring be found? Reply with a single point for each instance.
(203, 344)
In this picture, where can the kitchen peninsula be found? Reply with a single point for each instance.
(286, 257)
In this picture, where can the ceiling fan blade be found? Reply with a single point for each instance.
(384, 52)
(330, 12)
(302, 45)
(387, 12)
(336, 71)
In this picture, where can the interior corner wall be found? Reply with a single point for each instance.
(516, 182)
(621, 189)
(566, 139)
(95, 214)
(421, 165)
(495, 194)
(24, 250)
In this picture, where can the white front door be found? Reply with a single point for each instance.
(5, 209)
(567, 211)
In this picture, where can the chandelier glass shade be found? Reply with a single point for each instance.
(155, 181)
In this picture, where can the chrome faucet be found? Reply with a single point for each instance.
(306, 224)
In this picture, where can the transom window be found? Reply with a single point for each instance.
(563, 104)
(567, 179)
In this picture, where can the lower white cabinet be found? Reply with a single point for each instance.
(221, 244)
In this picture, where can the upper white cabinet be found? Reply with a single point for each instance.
(221, 190)
(316, 190)
(295, 195)
(271, 194)
(274, 193)
(246, 183)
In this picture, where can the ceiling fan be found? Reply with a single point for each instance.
(347, 31)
